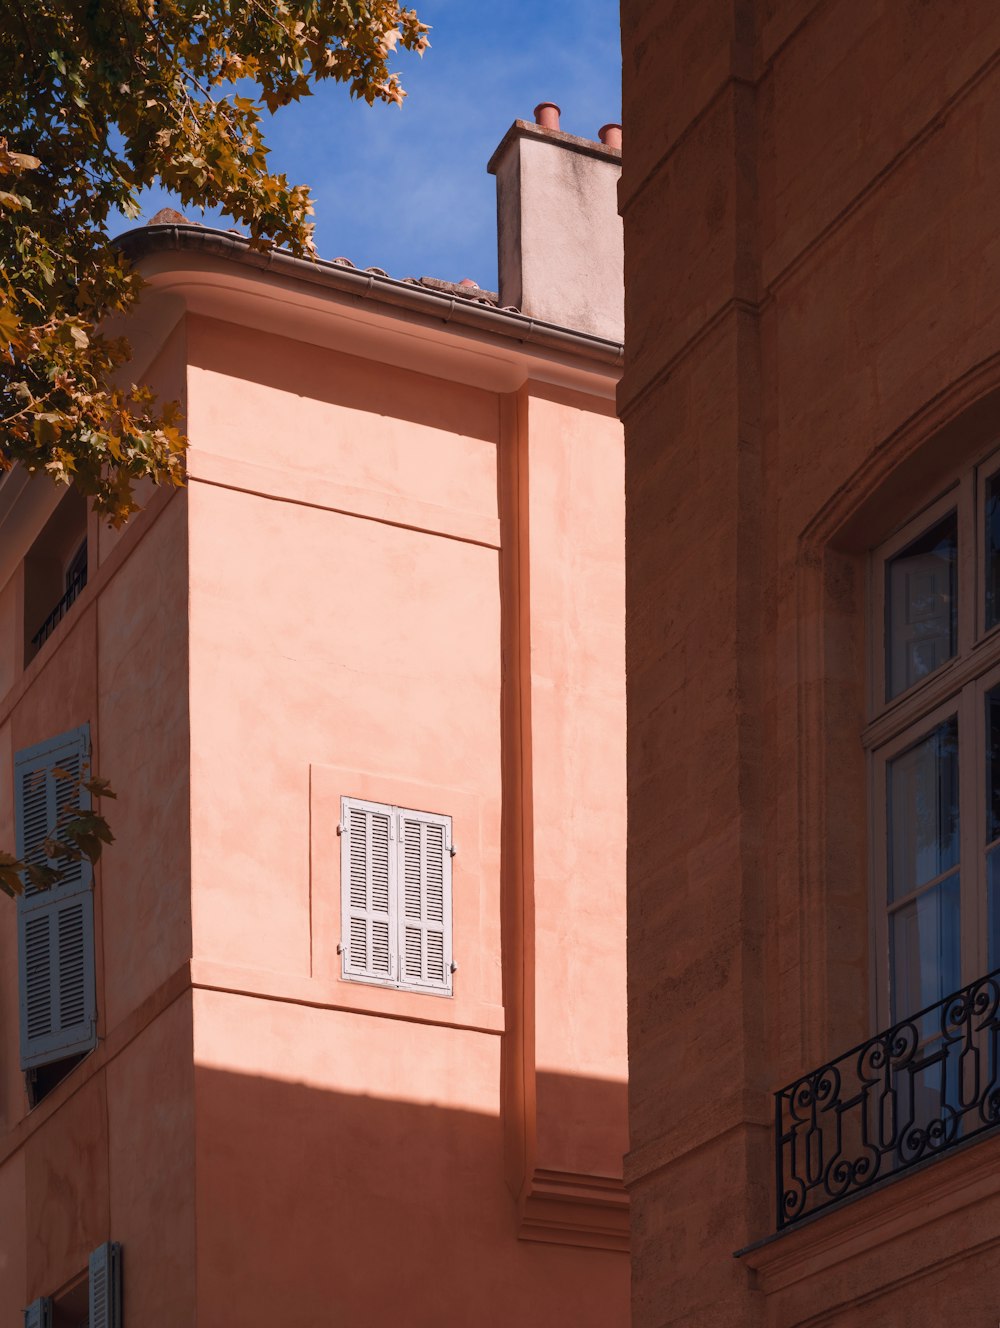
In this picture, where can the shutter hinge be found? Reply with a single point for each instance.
(453, 849)
(340, 947)
(453, 967)
(340, 827)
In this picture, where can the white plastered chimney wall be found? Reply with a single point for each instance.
(559, 234)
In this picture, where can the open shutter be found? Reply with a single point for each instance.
(105, 1289)
(424, 854)
(56, 926)
(367, 884)
(39, 1313)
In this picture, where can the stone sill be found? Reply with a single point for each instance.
(936, 1188)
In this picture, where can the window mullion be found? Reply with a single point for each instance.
(879, 860)
(971, 766)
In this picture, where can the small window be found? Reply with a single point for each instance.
(55, 572)
(395, 869)
(55, 927)
(91, 1300)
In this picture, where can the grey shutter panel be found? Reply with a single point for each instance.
(367, 887)
(39, 1313)
(105, 1287)
(56, 926)
(425, 901)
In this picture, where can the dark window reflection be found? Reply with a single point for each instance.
(923, 810)
(992, 532)
(921, 606)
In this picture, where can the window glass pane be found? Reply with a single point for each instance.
(924, 960)
(921, 602)
(991, 523)
(922, 800)
(992, 764)
(993, 898)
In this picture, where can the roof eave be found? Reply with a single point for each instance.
(438, 307)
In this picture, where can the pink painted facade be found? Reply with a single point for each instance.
(396, 575)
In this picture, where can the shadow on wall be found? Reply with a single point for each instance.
(356, 1209)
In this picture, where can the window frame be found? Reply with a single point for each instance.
(957, 687)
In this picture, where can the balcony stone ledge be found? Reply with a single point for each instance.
(895, 1211)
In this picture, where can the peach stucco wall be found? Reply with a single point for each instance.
(573, 692)
(388, 584)
(348, 633)
(111, 1149)
(339, 559)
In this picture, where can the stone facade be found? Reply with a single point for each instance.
(809, 195)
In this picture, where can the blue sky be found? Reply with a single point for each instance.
(406, 189)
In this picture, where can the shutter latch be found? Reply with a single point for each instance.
(340, 827)
(453, 850)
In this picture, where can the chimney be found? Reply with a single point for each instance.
(558, 229)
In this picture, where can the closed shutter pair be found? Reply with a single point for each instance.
(395, 873)
(104, 1292)
(55, 927)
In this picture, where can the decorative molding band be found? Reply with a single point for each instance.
(569, 1208)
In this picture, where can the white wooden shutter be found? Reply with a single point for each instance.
(424, 873)
(105, 1287)
(39, 1313)
(55, 926)
(368, 889)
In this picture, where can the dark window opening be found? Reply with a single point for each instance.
(55, 572)
(43, 1078)
(71, 1310)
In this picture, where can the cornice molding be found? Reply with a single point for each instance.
(572, 1208)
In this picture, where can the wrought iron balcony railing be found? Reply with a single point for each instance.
(930, 1082)
(76, 584)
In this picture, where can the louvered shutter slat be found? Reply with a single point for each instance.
(33, 786)
(396, 896)
(55, 926)
(425, 942)
(37, 975)
(367, 890)
(71, 992)
(105, 1289)
(67, 795)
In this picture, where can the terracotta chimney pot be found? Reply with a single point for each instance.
(547, 115)
(610, 135)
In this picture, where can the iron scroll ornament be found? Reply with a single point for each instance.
(909, 1093)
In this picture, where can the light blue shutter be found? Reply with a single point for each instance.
(39, 1314)
(105, 1287)
(367, 887)
(424, 855)
(55, 926)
